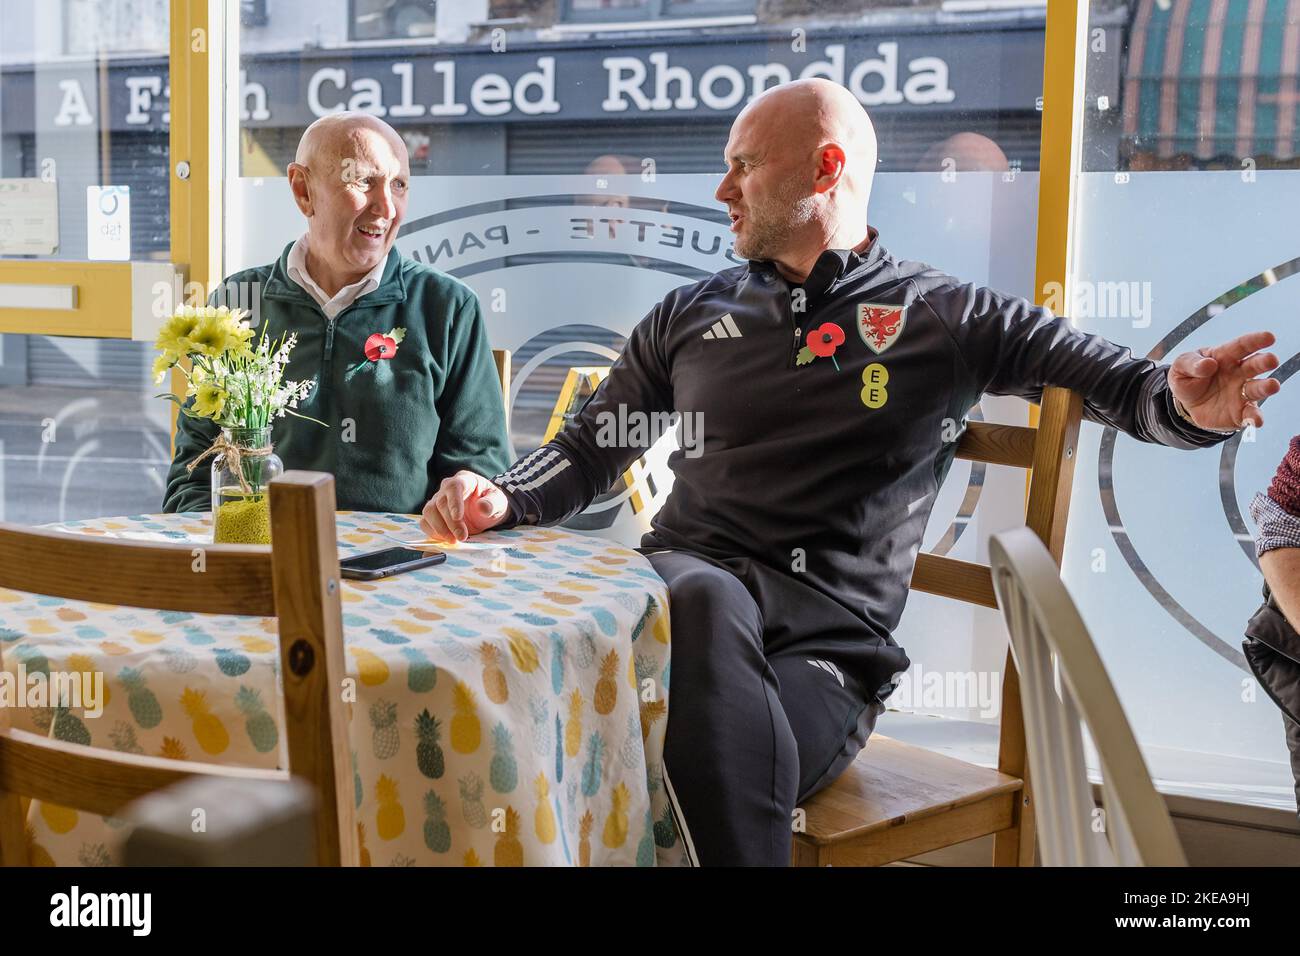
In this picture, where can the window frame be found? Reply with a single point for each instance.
(352, 28)
(114, 300)
(254, 13)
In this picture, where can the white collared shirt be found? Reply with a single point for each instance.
(345, 296)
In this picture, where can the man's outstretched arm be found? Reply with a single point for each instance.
(1013, 347)
(558, 480)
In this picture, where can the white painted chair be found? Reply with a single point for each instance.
(1064, 683)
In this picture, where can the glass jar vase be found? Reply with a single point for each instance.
(241, 496)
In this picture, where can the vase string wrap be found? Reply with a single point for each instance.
(234, 453)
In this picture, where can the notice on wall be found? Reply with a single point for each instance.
(29, 217)
(108, 223)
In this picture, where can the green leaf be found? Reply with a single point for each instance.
(805, 356)
(397, 335)
(290, 411)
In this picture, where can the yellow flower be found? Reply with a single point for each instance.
(162, 365)
(228, 315)
(173, 337)
(239, 342)
(209, 400)
(211, 337)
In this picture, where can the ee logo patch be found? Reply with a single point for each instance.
(874, 377)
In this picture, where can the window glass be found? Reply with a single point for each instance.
(581, 7)
(1186, 238)
(393, 19)
(629, 9)
(83, 176)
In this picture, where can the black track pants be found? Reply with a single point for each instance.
(763, 709)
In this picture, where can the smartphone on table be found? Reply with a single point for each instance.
(381, 564)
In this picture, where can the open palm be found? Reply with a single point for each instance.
(1218, 386)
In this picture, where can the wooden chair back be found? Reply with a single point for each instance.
(296, 581)
(502, 359)
(1048, 451)
(1064, 685)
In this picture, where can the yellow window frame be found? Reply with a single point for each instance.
(115, 300)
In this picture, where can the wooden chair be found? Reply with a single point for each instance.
(580, 383)
(295, 581)
(1047, 636)
(897, 800)
(502, 359)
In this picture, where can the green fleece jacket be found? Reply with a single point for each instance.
(396, 426)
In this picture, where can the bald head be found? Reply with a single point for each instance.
(328, 139)
(609, 164)
(350, 179)
(613, 164)
(815, 112)
(801, 158)
(963, 153)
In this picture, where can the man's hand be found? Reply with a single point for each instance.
(465, 504)
(1218, 387)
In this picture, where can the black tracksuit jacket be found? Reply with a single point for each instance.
(832, 470)
(1272, 649)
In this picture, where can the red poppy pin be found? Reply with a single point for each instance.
(822, 342)
(384, 345)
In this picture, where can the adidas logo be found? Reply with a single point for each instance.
(829, 668)
(724, 328)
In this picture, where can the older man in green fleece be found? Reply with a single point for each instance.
(397, 352)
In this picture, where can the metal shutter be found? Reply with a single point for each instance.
(566, 148)
(88, 363)
(696, 147)
(904, 138)
(139, 160)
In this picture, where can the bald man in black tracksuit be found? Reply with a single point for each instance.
(788, 544)
(829, 383)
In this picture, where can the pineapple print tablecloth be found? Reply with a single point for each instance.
(510, 703)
